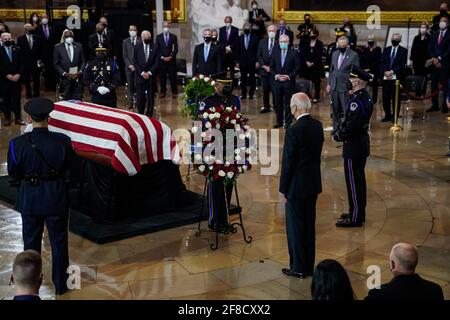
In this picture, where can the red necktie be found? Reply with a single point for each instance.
(440, 37)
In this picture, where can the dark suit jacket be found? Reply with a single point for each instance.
(287, 32)
(27, 298)
(247, 57)
(170, 50)
(142, 65)
(234, 35)
(32, 55)
(61, 61)
(260, 24)
(371, 59)
(338, 77)
(8, 67)
(300, 167)
(263, 56)
(443, 50)
(400, 61)
(93, 43)
(210, 67)
(290, 68)
(407, 287)
(46, 45)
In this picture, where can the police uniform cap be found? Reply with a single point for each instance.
(101, 47)
(340, 32)
(39, 108)
(357, 72)
(223, 77)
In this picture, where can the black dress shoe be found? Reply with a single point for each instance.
(264, 110)
(291, 273)
(347, 223)
(61, 291)
(277, 126)
(444, 110)
(345, 216)
(432, 109)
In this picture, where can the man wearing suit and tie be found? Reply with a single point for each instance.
(30, 49)
(257, 17)
(146, 65)
(246, 54)
(300, 184)
(97, 38)
(393, 65)
(265, 50)
(439, 50)
(341, 63)
(228, 36)
(69, 63)
(283, 67)
(167, 44)
(47, 40)
(207, 60)
(283, 30)
(128, 45)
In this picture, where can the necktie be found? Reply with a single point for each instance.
(270, 47)
(146, 52)
(30, 41)
(341, 59)
(206, 53)
(441, 35)
(392, 57)
(8, 50)
(246, 42)
(46, 32)
(133, 41)
(166, 39)
(228, 34)
(283, 58)
(69, 52)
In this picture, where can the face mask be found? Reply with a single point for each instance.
(147, 41)
(247, 31)
(214, 39)
(44, 21)
(105, 25)
(443, 12)
(227, 90)
(207, 39)
(342, 50)
(442, 25)
(271, 34)
(349, 85)
(395, 42)
(313, 37)
(282, 26)
(255, 6)
(7, 43)
(166, 30)
(283, 46)
(68, 40)
(35, 19)
(423, 30)
(132, 34)
(370, 43)
(307, 21)
(227, 24)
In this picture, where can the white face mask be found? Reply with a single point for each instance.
(423, 30)
(166, 30)
(35, 19)
(132, 33)
(228, 24)
(255, 6)
(271, 34)
(69, 40)
(44, 21)
(442, 25)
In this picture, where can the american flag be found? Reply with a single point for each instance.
(130, 140)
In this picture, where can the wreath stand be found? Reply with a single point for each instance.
(234, 229)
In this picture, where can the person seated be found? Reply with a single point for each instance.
(331, 282)
(406, 284)
(27, 275)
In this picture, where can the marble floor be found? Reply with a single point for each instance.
(408, 178)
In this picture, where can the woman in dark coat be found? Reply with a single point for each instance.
(419, 53)
(312, 68)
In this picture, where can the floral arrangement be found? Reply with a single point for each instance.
(221, 121)
(195, 91)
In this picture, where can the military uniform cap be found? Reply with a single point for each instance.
(101, 47)
(39, 108)
(357, 72)
(223, 77)
(340, 32)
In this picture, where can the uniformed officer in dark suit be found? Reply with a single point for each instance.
(354, 134)
(102, 77)
(218, 215)
(39, 160)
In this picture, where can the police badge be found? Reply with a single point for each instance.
(353, 106)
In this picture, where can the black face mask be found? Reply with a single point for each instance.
(247, 31)
(342, 50)
(395, 43)
(313, 37)
(105, 25)
(443, 12)
(349, 85)
(147, 41)
(307, 21)
(371, 43)
(227, 90)
(214, 39)
(207, 39)
(7, 43)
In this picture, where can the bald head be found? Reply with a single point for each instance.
(404, 258)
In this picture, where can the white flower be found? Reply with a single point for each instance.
(233, 121)
(213, 83)
(238, 158)
(194, 129)
(198, 157)
(203, 135)
(227, 163)
(211, 167)
(230, 174)
(237, 127)
(244, 168)
(208, 125)
(242, 136)
(206, 79)
(227, 119)
(218, 126)
(221, 173)
(201, 168)
(228, 109)
(217, 115)
(238, 116)
(206, 159)
(194, 78)
(219, 161)
(211, 116)
(213, 109)
(201, 77)
(199, 144)
(237, 151)
(240, 169)
(205, 115)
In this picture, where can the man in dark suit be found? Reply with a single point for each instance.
(265, 51)
(207, 59)
(47, 41)
(393, 65)
(439, 50)
(40, 161)
(110, 36)
(128, 45)
(284, 68)
(443, 12)
(146, 65)
(283, 30)
(406, 284)
(30, 48)
(27, 275)
(11, 73)
(167, 44)
(228, 36)
(257, 17)
(69, 63)
(300, 184)
(97, 38)
(370, 62)
(246, 54)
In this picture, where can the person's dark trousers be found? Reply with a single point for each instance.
(217, 207)
(131, 86)
(439, 76)
(374, 86)
(71, 89)
(301, 233)
(11, 99)
(316, 83)
(420, 70)
(355, 179)
(49, 76)
(339, 102)
(282, 99)
(168, 68)
(35, 77)
(145, 97)
(389, 98)
(108, 100)
(267, 88)
(248, 80)
(57, 225)
(314, 75)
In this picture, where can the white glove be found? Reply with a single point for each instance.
(103, 90)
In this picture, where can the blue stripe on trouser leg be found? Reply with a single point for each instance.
(353, 188)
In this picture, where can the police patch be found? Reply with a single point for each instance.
(202, 106)
(353, 106)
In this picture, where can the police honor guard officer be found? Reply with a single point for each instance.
(354, 134)
(102, 77)
(39, 160)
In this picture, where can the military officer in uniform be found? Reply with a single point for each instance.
(354, 134)
(218, 201)
(39, 161)
(102, 77)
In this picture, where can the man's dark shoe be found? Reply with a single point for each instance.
(347, 223)
(432, 109)
(277, 126)
(291, 273)
(264, 110)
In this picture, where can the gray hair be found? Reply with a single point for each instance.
(301, 100)
(399, 35)
(146, 32)
(343, 38)
(284, 36)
